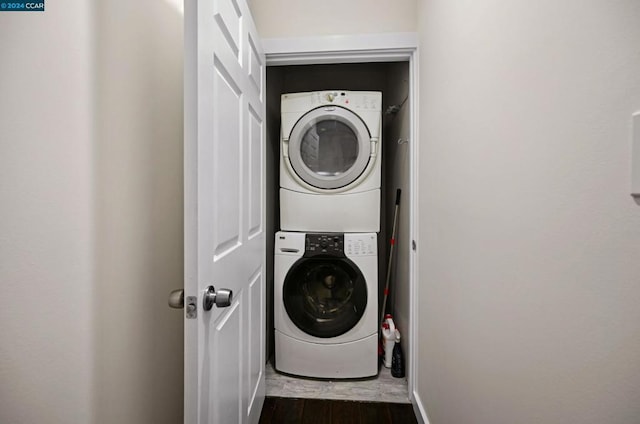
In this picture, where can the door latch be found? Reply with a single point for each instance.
(192, 307)
(177, 301)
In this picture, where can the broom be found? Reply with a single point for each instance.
(391, 248)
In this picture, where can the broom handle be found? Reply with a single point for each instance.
(391, 248)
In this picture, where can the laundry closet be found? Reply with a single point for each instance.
(392, 79)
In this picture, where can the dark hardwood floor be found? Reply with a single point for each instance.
(278, 410)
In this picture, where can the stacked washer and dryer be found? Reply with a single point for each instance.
(326, 259)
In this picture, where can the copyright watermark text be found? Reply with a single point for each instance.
(12, 6)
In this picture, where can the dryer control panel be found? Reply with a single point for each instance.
(365, 100)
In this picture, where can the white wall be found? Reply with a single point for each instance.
(396, 160)
(529, 244)
(91, 213)
(139, 219)
(287, 18)
(46, 220)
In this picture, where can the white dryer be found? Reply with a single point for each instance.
(330, 161)
(326, 304)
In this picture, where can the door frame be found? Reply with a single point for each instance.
(359, 48)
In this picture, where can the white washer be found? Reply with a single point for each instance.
(326, 304)
(330, 161)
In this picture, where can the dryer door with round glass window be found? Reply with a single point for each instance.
(329, 147)
(325, 297)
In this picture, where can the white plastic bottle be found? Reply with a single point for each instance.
(389, 335)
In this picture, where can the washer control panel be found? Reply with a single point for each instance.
(324, 244)
(361, 244)
(341, 245)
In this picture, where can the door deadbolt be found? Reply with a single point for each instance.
(221, 298)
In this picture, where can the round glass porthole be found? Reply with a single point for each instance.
(325, 297)
(329, 149)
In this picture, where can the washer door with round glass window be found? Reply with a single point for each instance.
(329, 147)
(325, 296)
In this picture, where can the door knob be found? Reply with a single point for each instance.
(221, 298)
(176, 299)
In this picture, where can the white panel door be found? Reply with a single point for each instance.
(224, 212)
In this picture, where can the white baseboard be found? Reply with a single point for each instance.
(419, 408)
